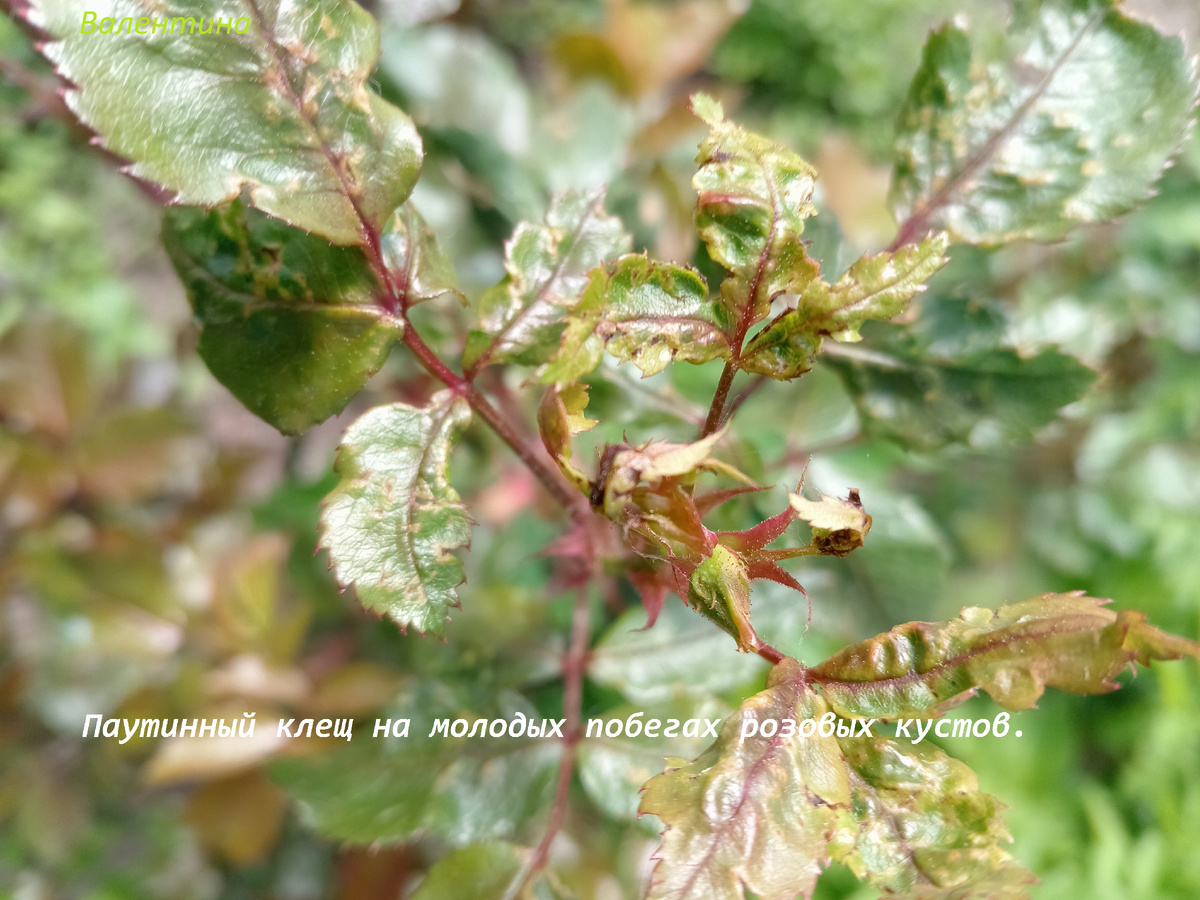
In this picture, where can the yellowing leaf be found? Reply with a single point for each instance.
(391, 523)
(752, 814)
(875, 287)
(1067, 641)
(923, 829)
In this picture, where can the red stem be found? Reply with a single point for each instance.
(574, 664)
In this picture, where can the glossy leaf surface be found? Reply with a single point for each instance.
(391, 523)
(282, 110)
(547, 265)
(1073, 123)
(1068, 641)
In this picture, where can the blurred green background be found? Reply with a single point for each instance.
(156, 541)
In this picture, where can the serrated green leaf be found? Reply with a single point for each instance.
(1067, 641)
(924, 390)
(751, 814)
(754, 196)
(719, 589)
(922, 828)
(1074, 124)
(521, 317)
(391, 522)
(648, 312)
(282, 110)
(875, 287)
(288, 322)
(458, 789)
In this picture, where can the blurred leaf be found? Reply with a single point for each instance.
(1073, 124)
(239, 818)
(878, 287)
(613, 769)
(547, 266)
(651, 313)
(476, 872)
(391, 522)
(458, 789)
(923, 829)
(929, 388)
(750, 814)
(1067, 641)
(134, 453)
(283, 110)
(457, 78)
(682, 655)
(288, 322)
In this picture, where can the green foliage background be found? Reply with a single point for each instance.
(156, 541)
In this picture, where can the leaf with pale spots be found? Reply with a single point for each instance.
(1071, 123)
(1068, 641)
(281, 110)
(648, 312)
(922, 828)
(547, 265)
(754, 814)
(391, 523)
(753, 198)
(875, 287)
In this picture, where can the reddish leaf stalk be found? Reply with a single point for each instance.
(574, 664)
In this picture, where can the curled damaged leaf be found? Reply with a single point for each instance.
(1068, 641)
(648, 312)
(658, 466)
(548, 264)
(391, 523)
(875, 287)
(282, 110)
(838, 526)
(560, 418)
(753, 198)
(921, 826)
(751, 814)
(763, 810)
